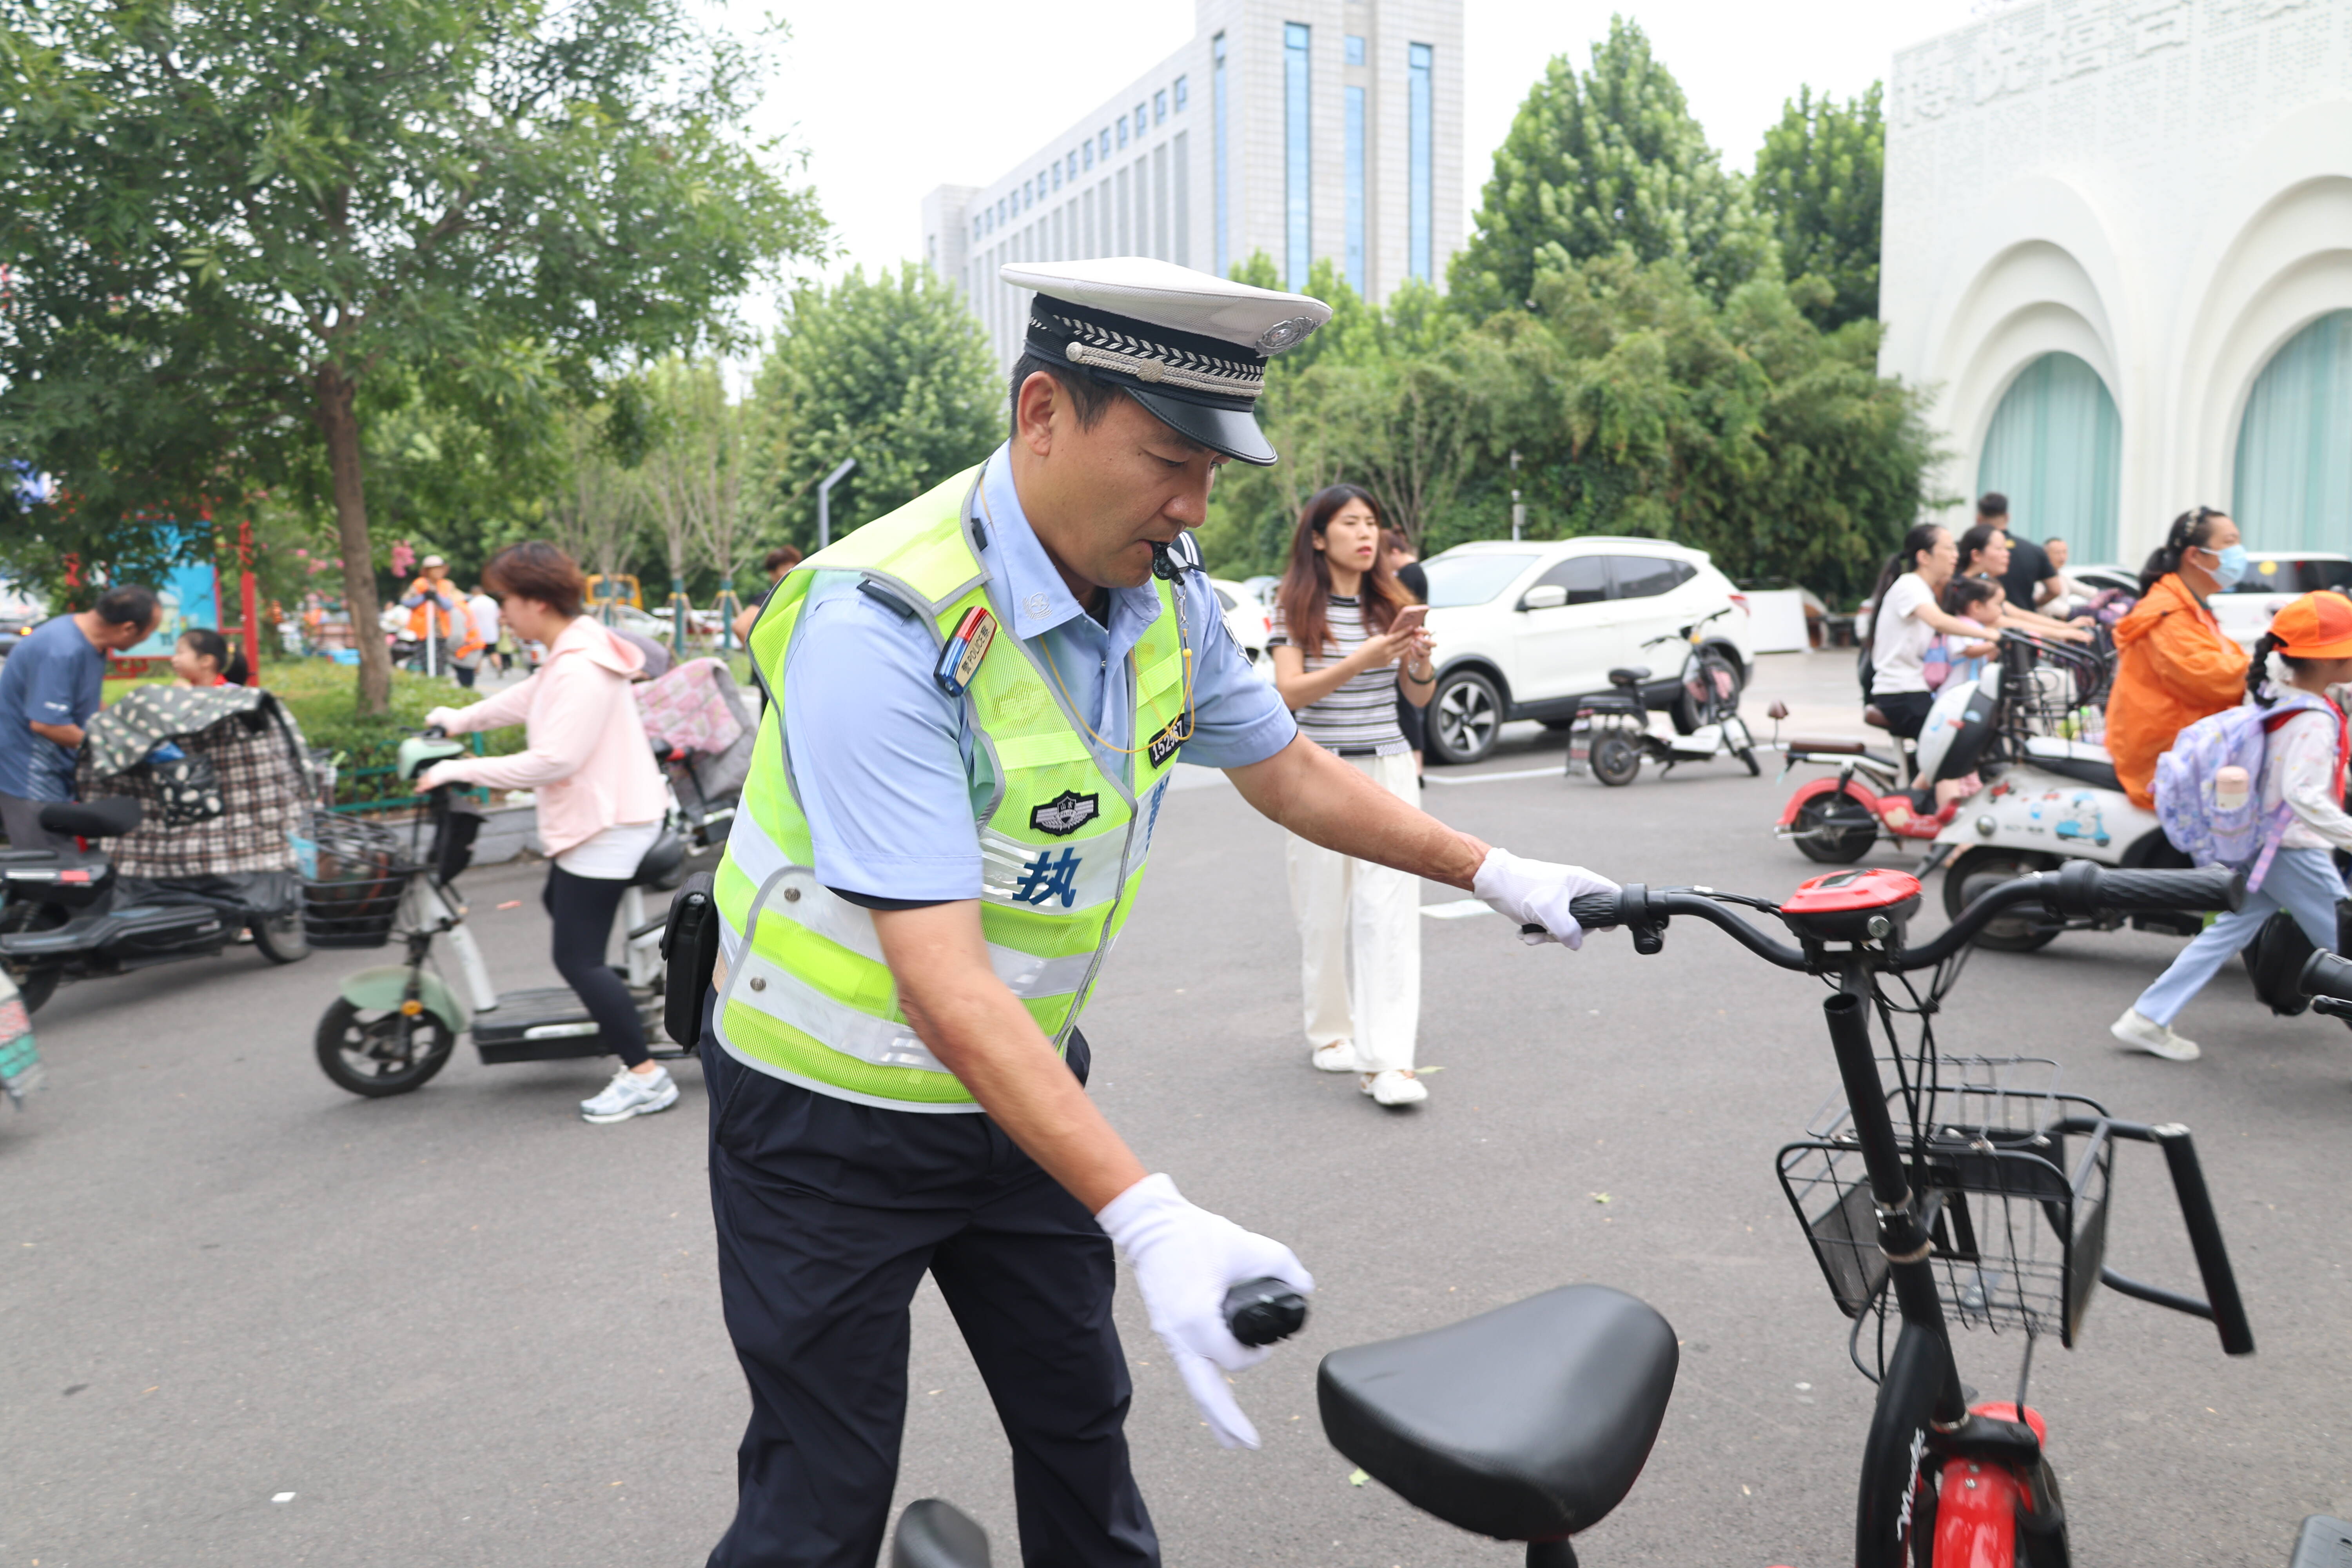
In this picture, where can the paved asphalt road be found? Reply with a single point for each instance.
(464, 1327)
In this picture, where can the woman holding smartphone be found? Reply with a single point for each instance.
(1346, 642)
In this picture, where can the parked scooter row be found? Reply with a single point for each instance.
(2043, 795)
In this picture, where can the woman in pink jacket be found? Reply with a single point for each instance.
(601, 799)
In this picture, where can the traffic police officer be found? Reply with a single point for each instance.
(976, 703)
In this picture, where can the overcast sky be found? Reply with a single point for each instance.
(892, 99)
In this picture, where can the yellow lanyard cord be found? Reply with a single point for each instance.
(1069, 705)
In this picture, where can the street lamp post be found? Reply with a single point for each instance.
(824, 501)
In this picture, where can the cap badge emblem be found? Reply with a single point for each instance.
(1148, 370)
(1284, 333)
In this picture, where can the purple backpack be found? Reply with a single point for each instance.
(2208, 831)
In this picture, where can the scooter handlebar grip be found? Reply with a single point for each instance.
(1261, 1311)
(2205, 888)
(1595, 911)
(2327, 975)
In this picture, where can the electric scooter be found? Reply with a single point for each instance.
(1610, 733)
(69, 915)
(393, 1027)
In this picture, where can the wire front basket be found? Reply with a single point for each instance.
(353, 874)
(2016, 1212)
(2054, 688)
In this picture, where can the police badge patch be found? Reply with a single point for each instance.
(1066, 813)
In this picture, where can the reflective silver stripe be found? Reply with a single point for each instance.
(819, 909)
(1035, 875)
(765, 986)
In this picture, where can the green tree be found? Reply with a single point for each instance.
(1821, 178)
(1603, 163)
(894, 372)
(693, 472)
(224, 220)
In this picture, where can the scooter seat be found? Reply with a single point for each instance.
(2083, 764)
(109, 816)
(661, 862)
(1830, 748)
(1528, 1423)
(1629, 677)
(1875, 719)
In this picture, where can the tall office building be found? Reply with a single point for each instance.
(1306, 128)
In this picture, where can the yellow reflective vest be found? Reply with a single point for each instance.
(806, 996)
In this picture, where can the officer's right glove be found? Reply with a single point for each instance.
(1185, 1259)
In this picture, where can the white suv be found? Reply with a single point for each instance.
(2273, 580)
(1525, 629)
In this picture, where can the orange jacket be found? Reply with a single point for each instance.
(454, 627)
(2174, 666)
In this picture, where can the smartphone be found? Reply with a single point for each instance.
(1409, 619)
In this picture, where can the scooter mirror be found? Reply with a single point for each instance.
(1778, 711)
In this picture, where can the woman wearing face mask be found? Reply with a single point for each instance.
(2174, 664)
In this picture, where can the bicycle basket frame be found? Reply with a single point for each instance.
(2016, 1211)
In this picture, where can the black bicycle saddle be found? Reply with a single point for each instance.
(1633, 676)
(1528, 1423)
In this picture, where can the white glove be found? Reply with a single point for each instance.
(447, 719)
(1537, 893)
(1185, 1259)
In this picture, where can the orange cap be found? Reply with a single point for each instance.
(2317, 625)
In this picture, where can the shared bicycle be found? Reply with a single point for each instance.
(1937, 1193)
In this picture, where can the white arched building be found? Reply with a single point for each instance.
(2118, 251)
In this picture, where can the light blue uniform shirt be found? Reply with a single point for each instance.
(884, 760)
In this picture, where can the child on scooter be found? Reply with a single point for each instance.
(1972, 599)
(2309, 649)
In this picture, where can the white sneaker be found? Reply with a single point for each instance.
(2142, 1033)
(1340, 1056)
(1397, 1086)
(631, 1094)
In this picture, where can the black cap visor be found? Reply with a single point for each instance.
(1232, 431)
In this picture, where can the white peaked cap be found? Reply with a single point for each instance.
(1189, 346)
(1163, 294)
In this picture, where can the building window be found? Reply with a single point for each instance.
(1087, 153)
(1057, 173)
(1355, 48)
(1159, 106)
(1353, 186)
(1122, 129)
(1183, 254)
(2292, 442)
(2055, 448)
(1071, 165)
(1160, 201)
(1223, 251)
(1420, 165)
(1183, 95)
(1106, 141)
(1298, 167)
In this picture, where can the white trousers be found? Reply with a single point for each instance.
(1360, 938)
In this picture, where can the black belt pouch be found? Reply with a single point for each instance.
(690, 953)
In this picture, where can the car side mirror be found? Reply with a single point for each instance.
(1778, 711)
(1544, 596)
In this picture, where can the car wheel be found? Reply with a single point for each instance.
(1721, 668)
(1466, 713)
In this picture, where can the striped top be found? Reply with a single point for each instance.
(1362, 715)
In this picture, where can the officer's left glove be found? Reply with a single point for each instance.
(1537, 893)
(1185, 1259)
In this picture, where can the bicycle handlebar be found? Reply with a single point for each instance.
(2080, 889)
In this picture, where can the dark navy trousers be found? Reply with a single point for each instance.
(828, 1213)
